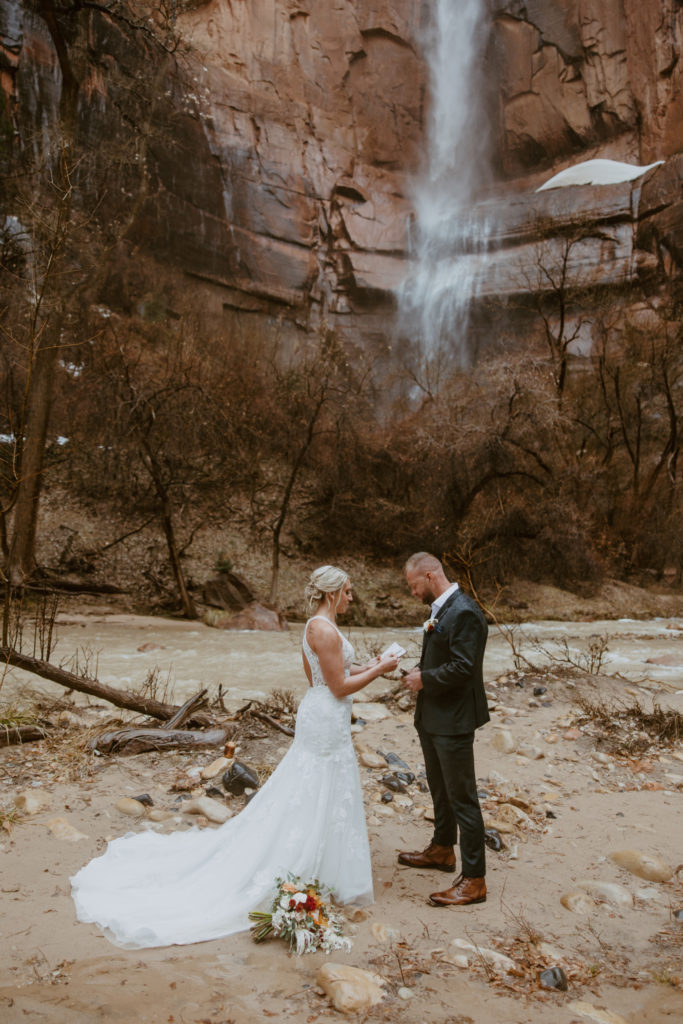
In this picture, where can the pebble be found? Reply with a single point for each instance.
(492, 957)
(644, 865)
(492, 839)
(593, 1013)
(158, 814)
(350, 989)
(553, 977)
(370, 759)
(370, 712)
(530, 751)
(578, 902)
(503, 741)
(211, 809)
(608, 892)
(396, 761)
(210, 771)
(405, 993)
(32, 801)
(133, 808)
(356, 914)
(393, 783)
(239, 777)
(62, 829)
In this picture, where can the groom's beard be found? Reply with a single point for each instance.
(428, 598)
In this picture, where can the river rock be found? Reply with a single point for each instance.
(371, 759)
(553, 977)
(512, 815)
(240, 777)
(133, 808)
(530, 751)
(644, 865)
(211, 809)
(608, 892)
(159, 814)
(492, 957)
(62, 829)
(210, 771)
(128, 805)
(393, 783)
(32, 801)
(598, 1015)
(253, 616)
(503, 741)
(350, 989)
(578, 902)
(370, 712)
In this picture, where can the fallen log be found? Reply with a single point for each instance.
(11, 734)
(137, 741)
(82, 684)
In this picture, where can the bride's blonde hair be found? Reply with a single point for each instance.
(327, 579)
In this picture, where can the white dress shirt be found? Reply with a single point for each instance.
(442, 598)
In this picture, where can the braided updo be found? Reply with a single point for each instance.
(327, 579)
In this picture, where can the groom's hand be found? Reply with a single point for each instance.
(413, 680)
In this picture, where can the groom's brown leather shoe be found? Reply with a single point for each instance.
(439, 858)
(465, 890)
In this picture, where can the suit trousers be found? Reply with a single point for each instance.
(449, 763)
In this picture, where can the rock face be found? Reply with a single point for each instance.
(298, 127)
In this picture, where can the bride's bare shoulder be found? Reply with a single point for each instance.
(320, 632)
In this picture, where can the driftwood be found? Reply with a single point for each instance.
(263, 717)
(10, 734)
(119, 698)
(137, 741)
(187, 711)
(168, 736)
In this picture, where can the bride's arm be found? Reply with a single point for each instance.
(327, 644)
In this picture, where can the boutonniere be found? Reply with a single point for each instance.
(430, 625)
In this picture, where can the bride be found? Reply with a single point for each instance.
(307, 819)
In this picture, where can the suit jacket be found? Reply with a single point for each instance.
(452, 700)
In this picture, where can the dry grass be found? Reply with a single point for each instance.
(628, 727)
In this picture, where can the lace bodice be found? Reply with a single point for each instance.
(313, 660)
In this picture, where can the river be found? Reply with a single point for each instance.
(122, 650)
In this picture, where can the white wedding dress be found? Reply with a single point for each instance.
(307, 819)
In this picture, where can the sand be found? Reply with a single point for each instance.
(579, 804)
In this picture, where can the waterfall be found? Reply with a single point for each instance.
(447, 235)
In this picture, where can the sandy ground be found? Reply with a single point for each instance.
(579, 803)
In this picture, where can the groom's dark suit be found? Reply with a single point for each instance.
(450, 706)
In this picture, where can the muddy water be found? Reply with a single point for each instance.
(122, 650)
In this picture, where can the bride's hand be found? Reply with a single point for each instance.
(389, 664)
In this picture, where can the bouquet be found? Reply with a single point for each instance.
(300, 915)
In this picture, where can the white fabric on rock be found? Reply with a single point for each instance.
(308, 819)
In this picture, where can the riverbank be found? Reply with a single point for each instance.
(561, 799)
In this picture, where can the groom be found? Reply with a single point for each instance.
(451, 704)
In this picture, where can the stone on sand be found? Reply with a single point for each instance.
(350, 989)
(32, 801)
(644, 865)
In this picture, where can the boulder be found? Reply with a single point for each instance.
(228, 591)
(252, 616)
